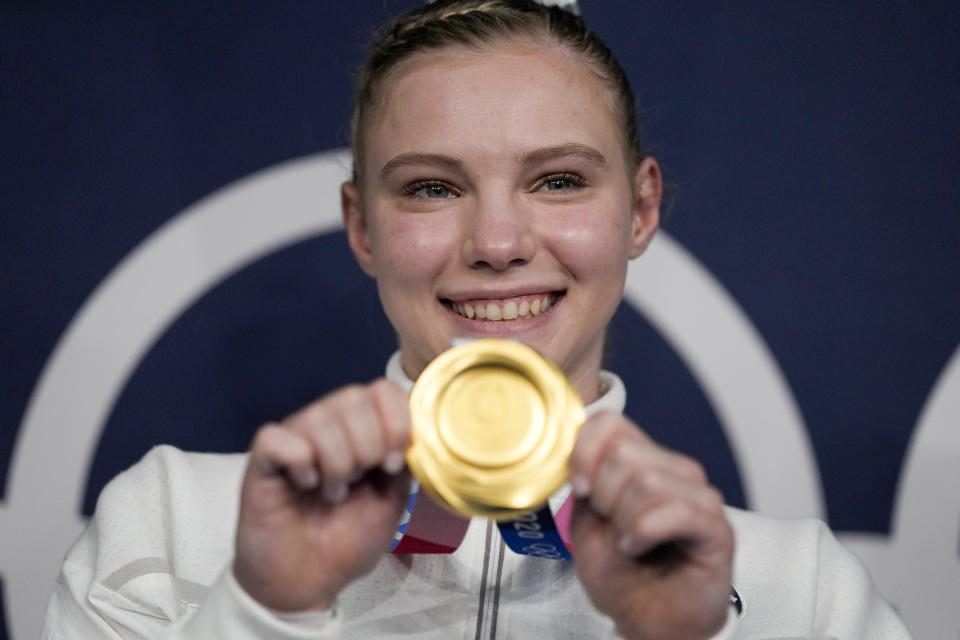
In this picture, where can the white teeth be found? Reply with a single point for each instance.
(509, 311)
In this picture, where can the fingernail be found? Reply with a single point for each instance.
(581, 486)
(306, 478)
(394, 462)
(335, 492)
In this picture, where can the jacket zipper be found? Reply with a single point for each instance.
(490, 577)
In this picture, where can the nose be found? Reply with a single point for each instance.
(499, 236)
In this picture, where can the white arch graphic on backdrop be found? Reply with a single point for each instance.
(738, 374)
(925, 532)
(274, 208)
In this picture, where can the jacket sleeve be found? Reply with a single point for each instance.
(795, 579)
(81, 609)
(131, 574)
(848, 605)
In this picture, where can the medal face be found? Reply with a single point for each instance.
(493, 425)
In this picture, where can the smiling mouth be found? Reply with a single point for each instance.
(500, 310)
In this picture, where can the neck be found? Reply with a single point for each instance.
(588, 386)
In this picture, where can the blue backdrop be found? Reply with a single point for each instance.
(813, 149)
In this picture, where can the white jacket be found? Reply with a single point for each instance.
(154, 562)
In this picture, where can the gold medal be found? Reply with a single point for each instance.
(493, 425)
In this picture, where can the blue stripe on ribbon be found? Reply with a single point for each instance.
(535, 534)
(405, 518)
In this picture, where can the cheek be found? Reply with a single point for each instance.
(411, 248)
(590, 244)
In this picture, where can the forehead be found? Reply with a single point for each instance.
(491, 97)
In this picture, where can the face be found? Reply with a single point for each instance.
(496, 201)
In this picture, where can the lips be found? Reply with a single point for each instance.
(499, 310)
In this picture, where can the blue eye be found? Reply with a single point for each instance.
(561, 182)
(429, 190)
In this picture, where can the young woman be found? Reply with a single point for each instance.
(499, 190)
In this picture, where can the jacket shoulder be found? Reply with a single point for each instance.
(793, 575)
(172, 512)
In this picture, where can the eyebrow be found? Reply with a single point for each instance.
(570, 149)
(407, 159)
(567, 150)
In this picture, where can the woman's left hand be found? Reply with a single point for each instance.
(653, 547)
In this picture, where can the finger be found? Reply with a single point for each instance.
(691, 517)
(337, 464)
(320, 426)
(685, 467)
(650, 488)
(583, 521)
(593, 440)
(625, 454)
(629, 462)
(277, 450)
(393, 409)
(360, 423)
(623, 465)
(610, 448)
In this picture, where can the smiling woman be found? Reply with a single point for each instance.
(498, 191)
(526, 213)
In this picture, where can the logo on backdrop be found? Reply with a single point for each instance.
(242, 223)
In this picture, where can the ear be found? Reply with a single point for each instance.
(355, 224)
(647, 194)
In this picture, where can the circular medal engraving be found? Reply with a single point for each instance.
(490, 416)
(493, 425)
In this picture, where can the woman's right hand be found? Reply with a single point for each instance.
(322, 495)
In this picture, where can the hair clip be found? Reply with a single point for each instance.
(569, 5)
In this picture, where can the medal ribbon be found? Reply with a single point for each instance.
(432, 529)
(427, 527)
(536, 534)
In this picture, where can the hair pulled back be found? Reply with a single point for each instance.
(474, 24)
